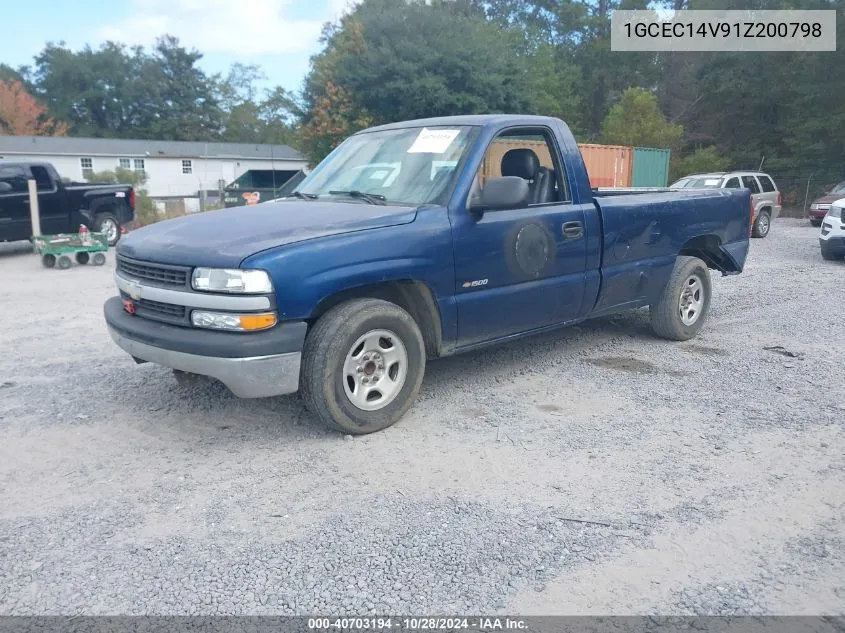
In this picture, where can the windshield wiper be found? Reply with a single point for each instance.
(301, 195)
(372, 198)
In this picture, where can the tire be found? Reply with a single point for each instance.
(666, 315)
(99, 259)
(107, 223)
(63, 262)
(828, 253)
(333, 371)
(82, 258)
(816, 222)
(48, 261)
(762, 224)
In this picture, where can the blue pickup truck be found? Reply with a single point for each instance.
(409, 242)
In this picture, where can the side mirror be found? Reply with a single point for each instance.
(507, 192)
(5, 187)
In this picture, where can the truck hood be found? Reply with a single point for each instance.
(226, 237)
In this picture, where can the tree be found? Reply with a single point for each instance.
(115, 91)
(636, 120)
(21, 114)
(702, 160)
(391, 60)
(252, 115)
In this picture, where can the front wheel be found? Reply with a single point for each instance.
(362, 365)
(816, 222)
(683, 306)
(761, 225)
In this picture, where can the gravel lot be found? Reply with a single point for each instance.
(708, 476)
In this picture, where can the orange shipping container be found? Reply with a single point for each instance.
(608, 165)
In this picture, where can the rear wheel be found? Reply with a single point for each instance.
(82, 258)
(48, 261)
(683, 306)
(107, 223)
(99, 259)
(64, 262)
(762, 224)
(362, 365)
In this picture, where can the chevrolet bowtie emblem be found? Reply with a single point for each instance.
(134, 290)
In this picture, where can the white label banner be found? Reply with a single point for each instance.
(723, 30)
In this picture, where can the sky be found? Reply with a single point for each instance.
(277, 35)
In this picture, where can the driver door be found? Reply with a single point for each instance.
(521, 268)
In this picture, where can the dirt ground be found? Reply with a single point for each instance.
(595, 470)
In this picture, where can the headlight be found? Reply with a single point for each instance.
(231, 280)
(814, 206)
(233, 322)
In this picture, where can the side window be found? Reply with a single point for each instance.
(43, 182)
(15, 177)
(124, 163)
(733, 183)
(766, 183)
(527, 154)
(750, 182)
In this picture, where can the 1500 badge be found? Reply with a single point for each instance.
(474, 284)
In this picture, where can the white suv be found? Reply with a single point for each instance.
(832, 238)
(767, 199)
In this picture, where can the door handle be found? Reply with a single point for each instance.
(573, 230)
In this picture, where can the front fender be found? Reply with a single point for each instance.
(305, 274)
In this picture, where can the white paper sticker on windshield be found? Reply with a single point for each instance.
(711, 181)
(379, 175)
(433, 141)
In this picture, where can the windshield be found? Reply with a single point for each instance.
(411, 166)
(680, 184)
(840, 188)
(703, 183)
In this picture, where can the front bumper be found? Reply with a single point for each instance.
(253, 365)
(817, 214)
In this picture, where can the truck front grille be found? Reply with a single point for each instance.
(157, 274)
(158, 311)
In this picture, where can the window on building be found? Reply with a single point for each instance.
(87, 165)
(187, 167)
(125, 163)
(139, 165)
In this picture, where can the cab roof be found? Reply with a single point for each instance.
(476, 120)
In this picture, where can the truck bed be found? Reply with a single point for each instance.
(643, 232)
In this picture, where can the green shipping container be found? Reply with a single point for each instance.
(651, 167)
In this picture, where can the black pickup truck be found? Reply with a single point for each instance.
(62, 206)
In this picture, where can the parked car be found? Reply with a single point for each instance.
(832, 238)
(344, 294)
(820, 206)
(62, 207)
(767, 199)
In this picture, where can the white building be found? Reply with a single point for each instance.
(176, 170)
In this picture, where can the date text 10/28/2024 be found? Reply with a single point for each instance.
(418, 624)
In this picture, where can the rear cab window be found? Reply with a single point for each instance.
(732, 183)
